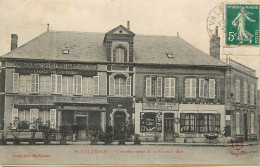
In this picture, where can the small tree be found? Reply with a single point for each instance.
(34, 128)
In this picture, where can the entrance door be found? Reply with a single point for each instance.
(119, 121)
(168, 127)
(245, 127)
(82, 124)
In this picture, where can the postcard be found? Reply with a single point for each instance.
(120, 82)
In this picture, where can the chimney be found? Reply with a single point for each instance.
(14, 41)
(128, 25)
(215, 45)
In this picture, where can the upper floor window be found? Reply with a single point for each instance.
(45, 84)
(96, 85)
(207, 88)
(120, 85)
(169, 87)
(77, 84)
(34, 83)
(56, 84)
(252, 94)
(15, 82)
(190, 88)
(245, 92)
(237, 89)
(120, 55)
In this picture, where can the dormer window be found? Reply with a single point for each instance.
(170, 55)
(120, 54)
(65, 51)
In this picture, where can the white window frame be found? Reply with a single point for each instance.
(212, 89)
(15, 82)
(77, 91)
(245, 92)
(96, 86)
(171, 82)
(148, 88)
(159, 87)
(201, 87)
(53, 124)
(128, 86)
(56, 84)
(36, 83)
(190, 88)
(252, 94)
(111, 85)
(237, 90)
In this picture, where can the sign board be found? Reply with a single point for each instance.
(80, 108)
(150, 122)
(160, 106)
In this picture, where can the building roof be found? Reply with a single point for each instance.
(89, 47)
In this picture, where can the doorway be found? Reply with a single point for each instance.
(119, 121)
(168, 127)
(245, 128)
(81, 123)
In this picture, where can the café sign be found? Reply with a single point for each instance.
(82, 108)
(160, 106)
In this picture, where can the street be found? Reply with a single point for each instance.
(127, 154)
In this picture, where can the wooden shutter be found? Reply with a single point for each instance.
(172, 87)
(212, 88)
(148, 86)
(187, 88)
(201, 87)
(53, 83)
(193, 88)
(15, 82)
(167, 87)
(111, 85)
(53, 118)
(59, 84)
(128, 86)
(96, 85)
(159, 86)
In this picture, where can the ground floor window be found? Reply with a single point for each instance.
(200, 122)
(237, 123)
(252, 123)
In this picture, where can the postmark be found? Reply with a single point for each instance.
(215, 19)
(237, 146)
(242, 24)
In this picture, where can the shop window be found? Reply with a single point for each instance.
(252, 123)
(208, 123)
(33, 115)
(96, 85)
(77, 84)
(56, 84)
(237, 90)
(252, 94)
(245, 93)
(237, 123)
(34, 83)
(187, 122)
(190, 88)
(169, 87)
(15, 82)
(53, 118)
(45, 83)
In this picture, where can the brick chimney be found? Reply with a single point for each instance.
(215, 45)
(128, 25)
(14, 41)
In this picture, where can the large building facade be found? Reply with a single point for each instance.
(160, 87)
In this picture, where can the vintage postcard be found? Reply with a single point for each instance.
(129, 82)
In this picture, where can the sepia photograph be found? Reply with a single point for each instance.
(129, 82)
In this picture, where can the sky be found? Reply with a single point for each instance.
(29, 18)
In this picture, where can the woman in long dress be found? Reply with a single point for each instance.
(240, 21)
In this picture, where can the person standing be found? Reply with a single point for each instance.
(224, 136)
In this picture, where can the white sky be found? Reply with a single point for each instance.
(28, 19)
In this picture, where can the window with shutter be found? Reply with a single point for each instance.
(128, 86)
(77, 84)
(111, 85)
(56, 83)
(201, 87)
(169, 87)
(33, 115)
(237, 123)
(22, 84)
(172, 87)
(45, 84)
(252, 94)
(34, 83)
(245, 92)
(53, 118)
(148, 86)
(212, 88)
(15, 82)
(187, 87)
(159, 86)
(96, 85)
(237, 90)
(193, 88)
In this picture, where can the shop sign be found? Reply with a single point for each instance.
(150, 122)
(160, 106)
(81, 113)
(87, 108)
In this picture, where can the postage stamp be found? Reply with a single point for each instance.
(242, 24)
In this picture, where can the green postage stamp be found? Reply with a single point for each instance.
(242, 24)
